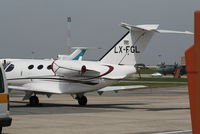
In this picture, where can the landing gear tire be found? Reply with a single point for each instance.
(33, 101)
(82, 101)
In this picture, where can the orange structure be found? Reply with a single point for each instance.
(193, 68)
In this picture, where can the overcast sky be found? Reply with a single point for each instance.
(40, 26)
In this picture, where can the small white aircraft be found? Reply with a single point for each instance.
(77, 77)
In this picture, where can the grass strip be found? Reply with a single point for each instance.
(160, 79)
(151, 85)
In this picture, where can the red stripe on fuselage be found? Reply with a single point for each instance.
(111, 68)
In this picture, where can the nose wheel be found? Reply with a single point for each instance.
(82, 100)
(33, 101)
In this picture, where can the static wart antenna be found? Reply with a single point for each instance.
(69, 20)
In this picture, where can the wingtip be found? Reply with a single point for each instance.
(188, 32)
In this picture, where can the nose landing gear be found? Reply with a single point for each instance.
(33, 101)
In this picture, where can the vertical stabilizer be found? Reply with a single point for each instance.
(131, 46)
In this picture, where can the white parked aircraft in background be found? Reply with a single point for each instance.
(77, 77)
(76, 55)
(156, 75)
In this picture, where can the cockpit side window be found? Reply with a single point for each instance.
(1, 82)
(10, 68)
(49, 67)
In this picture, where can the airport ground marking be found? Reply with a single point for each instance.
(175, 132)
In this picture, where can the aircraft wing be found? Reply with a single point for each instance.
(118, 88)
(51, 87)
(39, 87)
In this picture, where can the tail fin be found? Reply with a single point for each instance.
(78, 53)
(132, 45)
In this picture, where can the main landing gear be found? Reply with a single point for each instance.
(33, 101)
(82, 100)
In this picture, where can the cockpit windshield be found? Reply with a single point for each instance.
(9, 67)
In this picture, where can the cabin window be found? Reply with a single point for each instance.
(40, 67)
(1, 82)
(10, 68)
(30, 67)
(49, 67)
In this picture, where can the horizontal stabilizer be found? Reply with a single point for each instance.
(176, 32)
(151, 27)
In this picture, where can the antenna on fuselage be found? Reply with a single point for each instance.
(69, 20)
(32, 54)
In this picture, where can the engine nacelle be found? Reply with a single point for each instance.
(68, 68)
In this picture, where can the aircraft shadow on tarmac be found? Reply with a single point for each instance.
(117, 106)
(121, 106)
(52, 108)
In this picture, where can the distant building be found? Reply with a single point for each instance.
(183, 60)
